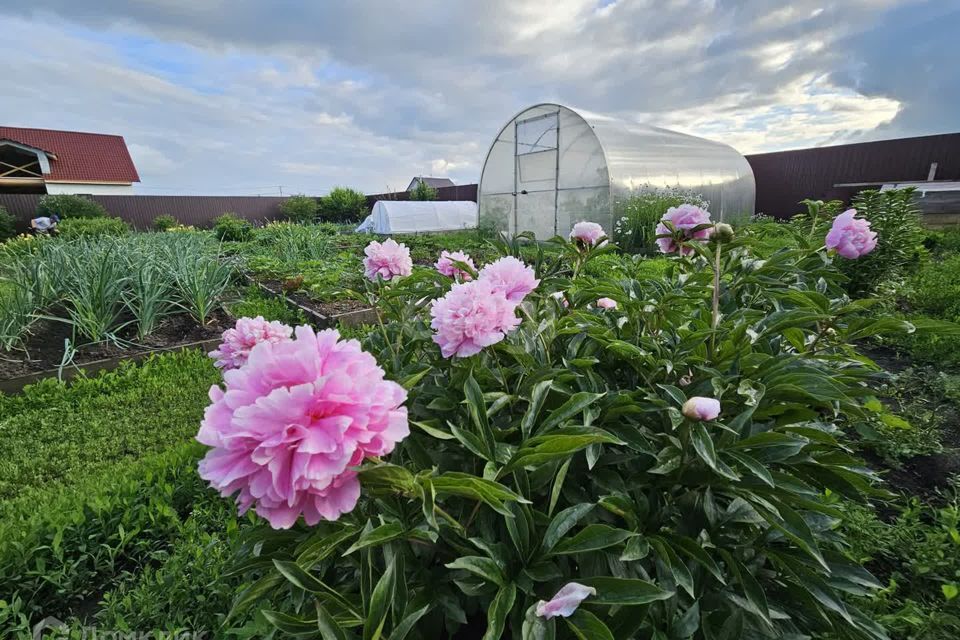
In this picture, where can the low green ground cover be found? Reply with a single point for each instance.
(103, 518)
(54, 434)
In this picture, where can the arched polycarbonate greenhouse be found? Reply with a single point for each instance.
(551, 166)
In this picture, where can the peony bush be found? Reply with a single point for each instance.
(508, 458)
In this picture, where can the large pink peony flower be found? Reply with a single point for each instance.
(472, 315)
(589, 233)
(699, 408)
(446, 266)
(683, 218)
(606, 303)
(566, 601)
(511, 277)
(290, 423)
(387, 260)
(246, 334)
(850, 236)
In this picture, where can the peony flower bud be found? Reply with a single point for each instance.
(699, 408)
(723, 233)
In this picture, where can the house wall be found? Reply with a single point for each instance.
(85, 188)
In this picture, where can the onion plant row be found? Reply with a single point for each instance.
(100, 286)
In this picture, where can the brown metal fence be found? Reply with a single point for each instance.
(784, 178)
(462, 192)
(139, 211)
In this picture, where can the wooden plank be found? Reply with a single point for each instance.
(15, 385)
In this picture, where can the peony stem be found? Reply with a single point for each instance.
(716, 288)
(449, 518)
(715, 319)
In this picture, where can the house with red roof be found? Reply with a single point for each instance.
(51, 161)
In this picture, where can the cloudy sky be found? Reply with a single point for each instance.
(244, 96)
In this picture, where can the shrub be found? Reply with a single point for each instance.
(165, 222)
(343, 204)
(567, 453)
(69, 206)
(423, 191)
(8, 227)
(300, 209)
(92, 227)
(230, 227)
(894, 216)
(636, 217)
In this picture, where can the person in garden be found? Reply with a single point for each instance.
(42, 225)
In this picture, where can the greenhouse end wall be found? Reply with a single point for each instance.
(551, 166)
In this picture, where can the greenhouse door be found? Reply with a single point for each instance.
(535, 175)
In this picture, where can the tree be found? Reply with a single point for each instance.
(300, 209)
(423, 191)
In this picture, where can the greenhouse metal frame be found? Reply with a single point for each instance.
(551, 166)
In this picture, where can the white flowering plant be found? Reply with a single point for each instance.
(664, 467)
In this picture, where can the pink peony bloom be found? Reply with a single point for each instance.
(850, 236)
(387, 260)
(607, 303)
(589, 233)
(683, 218)
(700, 408)
(511, 277)
(246, 334)
(472, 315)
(289, 424)
(446, 266)
(566, 601)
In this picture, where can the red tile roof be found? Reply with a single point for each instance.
(81, 157)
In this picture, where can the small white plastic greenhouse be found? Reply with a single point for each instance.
(551, 166)
(405, 216)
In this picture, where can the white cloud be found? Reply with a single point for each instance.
(371, 93)
(149, 160)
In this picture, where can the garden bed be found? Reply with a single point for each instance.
(44, 351)
(323, 314)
